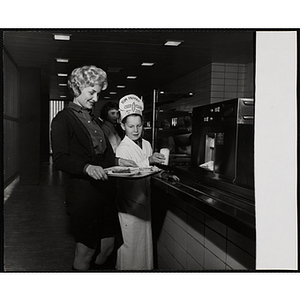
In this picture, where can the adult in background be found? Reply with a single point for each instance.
(81, 149)
(110, 116)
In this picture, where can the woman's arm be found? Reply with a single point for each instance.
(61, 130)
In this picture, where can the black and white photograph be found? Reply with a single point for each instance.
(150, 151)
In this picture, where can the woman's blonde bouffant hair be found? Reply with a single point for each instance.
(86, 76)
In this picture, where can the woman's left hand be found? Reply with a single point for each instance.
(157, 158)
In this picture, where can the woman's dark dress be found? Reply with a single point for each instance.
(90, 203)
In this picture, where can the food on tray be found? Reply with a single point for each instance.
(149, 169)
(121, 170)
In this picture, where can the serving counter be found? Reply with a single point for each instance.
(201, 223)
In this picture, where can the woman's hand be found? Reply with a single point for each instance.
(127, 163)
(96, 172)
(157, 158)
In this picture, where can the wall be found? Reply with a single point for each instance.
(188, 239)
(25, 123)
(11, 119)
(213, 83)
(30, 125)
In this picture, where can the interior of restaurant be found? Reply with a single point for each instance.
(199, 89)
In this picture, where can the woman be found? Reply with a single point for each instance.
(81, 149)
(110, 116)
(133, 199)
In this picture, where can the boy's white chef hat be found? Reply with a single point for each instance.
(129, 105)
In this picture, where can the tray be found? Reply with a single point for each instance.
(132, 172)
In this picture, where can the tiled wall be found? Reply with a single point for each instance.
(213, 83)
(188, 239)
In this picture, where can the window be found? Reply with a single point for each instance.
(55, 107)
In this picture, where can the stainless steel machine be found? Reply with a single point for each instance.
(223, 141)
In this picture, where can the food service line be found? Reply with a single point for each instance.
(234, 208)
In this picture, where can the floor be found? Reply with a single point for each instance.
(37, 236)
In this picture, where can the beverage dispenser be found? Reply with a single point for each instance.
(223, 141)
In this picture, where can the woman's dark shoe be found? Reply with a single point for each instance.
(76, 270)
(104, 267)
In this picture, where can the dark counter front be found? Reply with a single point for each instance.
(202, 224)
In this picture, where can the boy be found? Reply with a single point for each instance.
(133, 196)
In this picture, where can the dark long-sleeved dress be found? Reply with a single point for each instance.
(89, 202)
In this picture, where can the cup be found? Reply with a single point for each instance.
(166, 153)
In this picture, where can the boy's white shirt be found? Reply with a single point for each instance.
(128, 149)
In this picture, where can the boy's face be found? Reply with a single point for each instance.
(133, 127)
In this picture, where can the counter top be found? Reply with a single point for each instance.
(233, 206)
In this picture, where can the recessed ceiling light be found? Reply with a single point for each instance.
(113, 93)
(173, 43)
(62, 60)
(62, 37)
(147, 64)
(62, 96)
(106, 97)
(121, 86)
(131, 77)
(62, 84)
(62, 74)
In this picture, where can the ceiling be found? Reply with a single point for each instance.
(121, 52)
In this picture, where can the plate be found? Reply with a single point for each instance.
(133, 172)
(149, 170)
(113, 171)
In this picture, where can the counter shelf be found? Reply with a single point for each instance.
(231, 207)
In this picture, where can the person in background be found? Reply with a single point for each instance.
(81, 149)
(110, 116)
(133, 195)
(183, 142)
